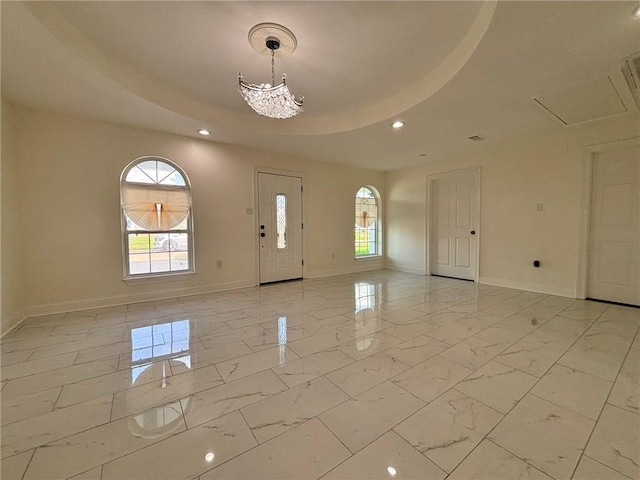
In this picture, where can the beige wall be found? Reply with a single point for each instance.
(515, 177)
(12, 299)
(71, 240)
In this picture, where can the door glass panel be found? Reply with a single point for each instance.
(281, 221)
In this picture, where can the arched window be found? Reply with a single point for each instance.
(155, 200)
(367, 229)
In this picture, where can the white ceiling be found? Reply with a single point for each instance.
(450, 70)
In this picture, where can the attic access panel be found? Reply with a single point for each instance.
(583, 102)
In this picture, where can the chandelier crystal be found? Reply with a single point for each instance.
(269, 100)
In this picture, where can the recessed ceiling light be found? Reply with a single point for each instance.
(636, 12)
(209, 457)
(391, 471)
(476, 138)
(397, 124)
(203, 131)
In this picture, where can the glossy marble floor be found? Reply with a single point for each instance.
(376, 375)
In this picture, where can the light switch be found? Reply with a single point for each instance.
(249, 210)
(539, 207)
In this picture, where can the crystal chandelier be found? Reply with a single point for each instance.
(270, 100)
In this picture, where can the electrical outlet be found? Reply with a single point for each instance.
(219, 263)
(249, 210)
(333, 256)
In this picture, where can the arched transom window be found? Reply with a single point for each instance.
(367, 223)
(155, 200)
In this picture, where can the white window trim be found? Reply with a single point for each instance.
(156, 277)
(379, 253)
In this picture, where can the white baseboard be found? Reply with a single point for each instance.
(12, 322)
(136, 298)
(364, 267)
(404, 268)
(530, 287)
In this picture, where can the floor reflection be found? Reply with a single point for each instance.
(158, 342)
(366, 317)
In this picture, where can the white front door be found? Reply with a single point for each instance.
(280, 227)
(454, 225)
(614, 243)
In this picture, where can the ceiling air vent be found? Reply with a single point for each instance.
(633, 66)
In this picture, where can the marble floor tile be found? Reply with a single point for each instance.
(626, 390)
(498, 386)
(488, 461)
(442, 317)
(317, 343)
(272, 416)
(236, 335)
(390, 456)
(111, 383)
(403, 316)
(74, 346)
(33, 367)
(570, 325)
(416, 350)
(307, 368)
(585, 358)
(142, 397)
(139, 390)
(10, 358)
(615, 442)
(35, 431)
(256, 362)
(409, 331)
(46, 380)
(625, 327)
(532, 358)
(27, 406)
(474, 352)
(340, 322)
(91, 448)
(449, 428)
(365, 345)
(431, 378)
(364, 418)
(502, 334)
(270, 339)
(217, 401)
(93, 474)
(15, 466)
(307, 451)
(187, 454)
(574, 390)
(545, 435)
(199, 357)
(364, 374)
(589, 469)
(453, 333)
(106, 351)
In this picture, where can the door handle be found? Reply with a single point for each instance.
(263, 234)
(473, 232)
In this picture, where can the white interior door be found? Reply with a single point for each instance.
(454, 225)
(614, 243)
(280, 227)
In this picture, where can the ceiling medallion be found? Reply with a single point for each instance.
(273, 101)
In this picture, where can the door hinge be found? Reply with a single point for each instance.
(302, 226)
(303, 263)
(301, 188)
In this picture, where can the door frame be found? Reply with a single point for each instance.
(256, 219)
(590, 151)
(476, 173)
